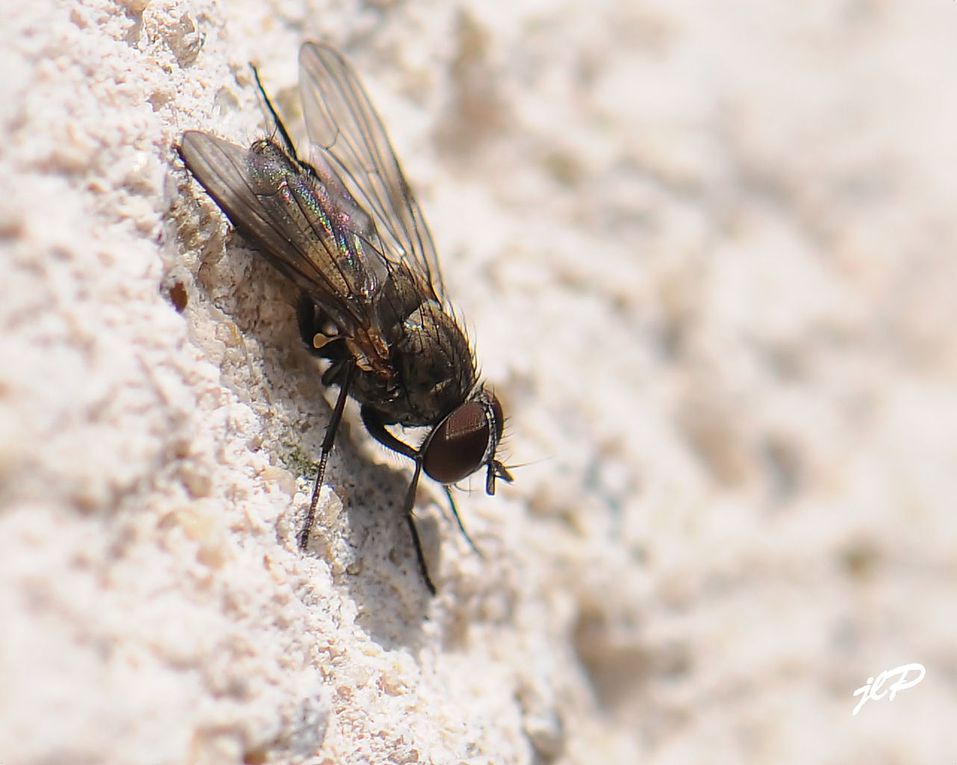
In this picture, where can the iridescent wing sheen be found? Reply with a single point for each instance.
(349, 139)
(310, 234)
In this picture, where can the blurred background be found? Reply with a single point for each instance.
(707, 258)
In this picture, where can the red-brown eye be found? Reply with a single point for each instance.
(498, 415)
(460, 444)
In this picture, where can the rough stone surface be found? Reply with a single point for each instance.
(707, 258)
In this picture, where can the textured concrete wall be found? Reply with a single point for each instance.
(707, 257)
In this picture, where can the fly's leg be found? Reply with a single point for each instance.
(373, 423)
(283, 133)
(458, 521)
(345, 374)
(312, 324)
(410, 522)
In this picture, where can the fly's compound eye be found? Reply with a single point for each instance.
(464, 441)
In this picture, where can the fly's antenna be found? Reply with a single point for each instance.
(287, 141)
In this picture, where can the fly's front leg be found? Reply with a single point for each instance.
(458, 521)
(377, 429)
(345, 373)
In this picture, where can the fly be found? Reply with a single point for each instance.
(345, 228)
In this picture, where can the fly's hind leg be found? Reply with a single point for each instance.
(313, 327)
(344, 373)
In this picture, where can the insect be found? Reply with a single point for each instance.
(346, 229)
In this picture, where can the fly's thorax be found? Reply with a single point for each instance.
(429, 373)
(434, 362)
(400, 295)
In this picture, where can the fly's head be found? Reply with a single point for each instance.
(465, 440)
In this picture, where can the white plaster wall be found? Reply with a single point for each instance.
(707, 255)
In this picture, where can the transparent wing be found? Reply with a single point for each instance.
(352, 142)
(311, 238)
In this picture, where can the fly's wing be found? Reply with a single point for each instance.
(351, 142)
(301, 229)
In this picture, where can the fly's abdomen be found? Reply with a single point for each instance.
(326, 241)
